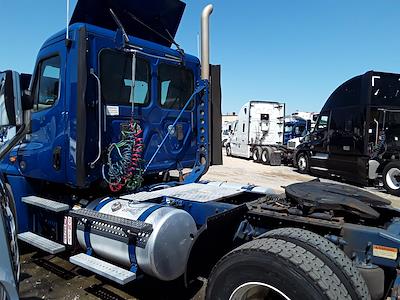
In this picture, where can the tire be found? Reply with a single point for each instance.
(257, 154)
(228, 150)
(281, 266)
(7, 208)
(391, 178)
(331, 255)
(12, 204)
(302, 161)
(265, 156)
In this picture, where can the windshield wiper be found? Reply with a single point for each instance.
(119, 24)
(169, 40)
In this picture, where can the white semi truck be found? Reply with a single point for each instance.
(259, 132)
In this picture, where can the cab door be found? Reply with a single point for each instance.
(319, 144)
(42, 153)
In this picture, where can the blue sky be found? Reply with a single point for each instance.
(295, 51)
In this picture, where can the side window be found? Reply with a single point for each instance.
(47, 83)
(322, 122)
(176, 85)
(116, 78)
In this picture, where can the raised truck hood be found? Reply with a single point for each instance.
(160, 15)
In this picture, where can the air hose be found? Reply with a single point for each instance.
(124, 160)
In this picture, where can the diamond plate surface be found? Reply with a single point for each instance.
(45, 203)
(41, 242)
(103, 268)
(193, 192)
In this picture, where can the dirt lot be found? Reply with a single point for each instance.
(246, 171)
(50, 277)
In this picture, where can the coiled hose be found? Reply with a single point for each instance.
(124, 160)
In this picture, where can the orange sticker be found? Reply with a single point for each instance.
(384, 252)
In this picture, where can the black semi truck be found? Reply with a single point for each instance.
(357, 135)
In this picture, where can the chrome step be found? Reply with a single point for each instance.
(141, 231)
(103, 268)
(41, 242)
(45, 203)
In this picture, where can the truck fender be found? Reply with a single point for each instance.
(189, 275)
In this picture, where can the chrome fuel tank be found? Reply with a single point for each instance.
(167, 250)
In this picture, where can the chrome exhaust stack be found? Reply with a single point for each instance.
(205, 42)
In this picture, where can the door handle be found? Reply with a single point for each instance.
(57, 158)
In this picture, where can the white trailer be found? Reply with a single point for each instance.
(258, 132)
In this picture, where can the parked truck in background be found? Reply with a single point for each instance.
(311, 119)
(226, 131)
(262, 132)
(259, 132)
(298, 124)
(356, 137)
(249, 242)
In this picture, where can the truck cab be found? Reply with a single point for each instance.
(294, 129)
(356, 134)
(304, 117)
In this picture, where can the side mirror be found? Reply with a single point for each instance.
(26, 97)
(308, 126)
(10, 99)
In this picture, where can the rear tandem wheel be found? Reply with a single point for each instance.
(330, 254)
(272, 268)
(257, 151)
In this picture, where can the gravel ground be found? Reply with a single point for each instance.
(51, 277)
(246, 171)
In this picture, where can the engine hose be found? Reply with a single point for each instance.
(124, 160)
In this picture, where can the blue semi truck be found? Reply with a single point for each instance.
(110, 110)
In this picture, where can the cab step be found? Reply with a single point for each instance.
(41, 242)
(45, 203)
(103, 268)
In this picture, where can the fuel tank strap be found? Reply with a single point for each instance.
(87, 227)
(131, 246)
(148, 212)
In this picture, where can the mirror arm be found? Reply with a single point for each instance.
(92, 164)
(377, 132)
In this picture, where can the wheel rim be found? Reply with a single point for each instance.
(392, 178)
(228, 150)
(255, 155)
(257, 291)
(302, 163)
(12, 232)
(264, 157)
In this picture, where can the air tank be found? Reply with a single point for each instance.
(167, 250)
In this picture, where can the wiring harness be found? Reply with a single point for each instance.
(124, 160)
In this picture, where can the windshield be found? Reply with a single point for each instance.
(288, 128)
(116, 78)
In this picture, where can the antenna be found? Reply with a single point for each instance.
(67, 36)
(198, 45)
